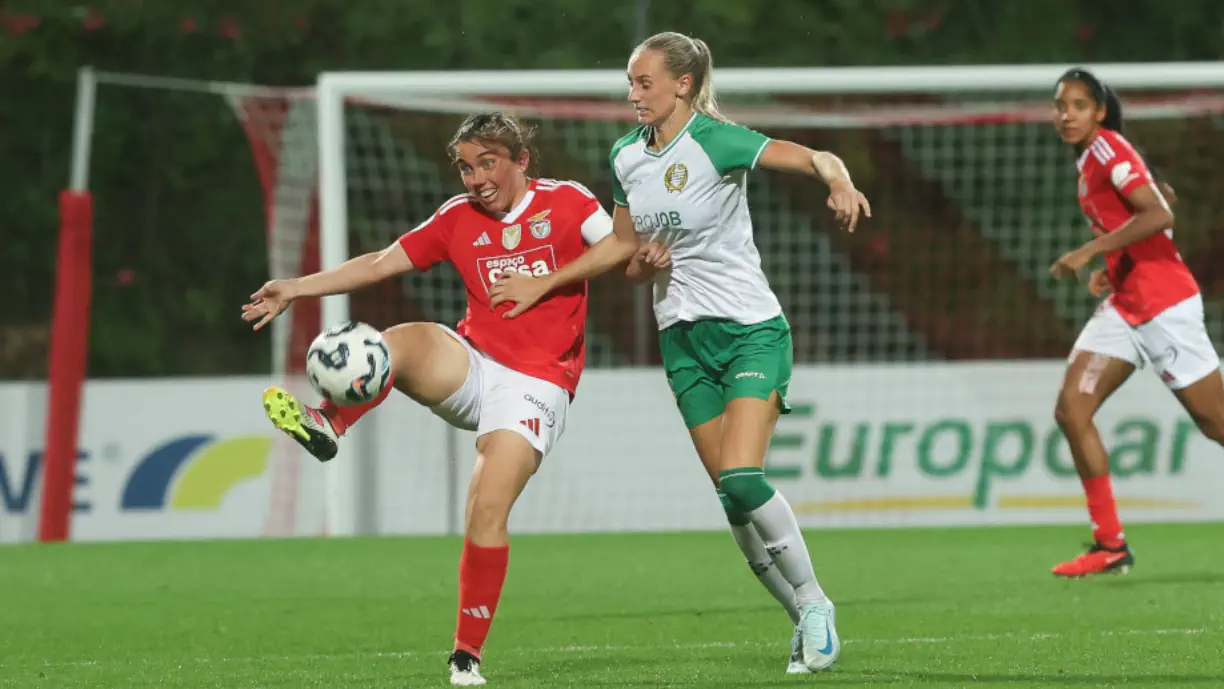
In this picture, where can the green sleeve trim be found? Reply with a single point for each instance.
(618, 190)
(729, 146)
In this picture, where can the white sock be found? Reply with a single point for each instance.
(775, 522)
(750, 543)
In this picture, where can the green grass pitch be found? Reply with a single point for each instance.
(916, 608)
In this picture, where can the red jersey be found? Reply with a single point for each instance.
(546, 230)
(1149, 275)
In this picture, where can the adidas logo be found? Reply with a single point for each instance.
(480, 613)
(532, 424)
(483, 240)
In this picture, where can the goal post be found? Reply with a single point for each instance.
(271, 122)
(973, 198)
(945, 124)
(915, 103)
(772, 80)
(70, 325)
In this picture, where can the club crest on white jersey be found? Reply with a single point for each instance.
(676, 177)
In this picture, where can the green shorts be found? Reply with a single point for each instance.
(713, 361)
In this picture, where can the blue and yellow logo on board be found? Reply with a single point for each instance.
(195, 472)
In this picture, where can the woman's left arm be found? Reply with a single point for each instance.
(844, 199)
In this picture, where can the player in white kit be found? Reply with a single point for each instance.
(682, 218)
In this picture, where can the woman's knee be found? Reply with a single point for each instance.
(505, 463)
(1073, 411)
(488, 519)
(428, 364)
(488, 510)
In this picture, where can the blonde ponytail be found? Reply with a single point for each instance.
(705, 101)
(683, 55)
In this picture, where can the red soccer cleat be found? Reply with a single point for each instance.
(1098, 560)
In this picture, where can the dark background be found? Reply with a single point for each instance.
(178, 193)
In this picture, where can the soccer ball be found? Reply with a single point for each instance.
(349, 363)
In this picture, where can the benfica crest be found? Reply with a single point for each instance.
(539, 224)
(511, 236)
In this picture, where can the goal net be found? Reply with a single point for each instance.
(974, 195)
(928, 345)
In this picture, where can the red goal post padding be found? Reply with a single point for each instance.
(68, 357)
(263, 119)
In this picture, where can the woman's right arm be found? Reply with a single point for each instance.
(275, 296)
(355, 273)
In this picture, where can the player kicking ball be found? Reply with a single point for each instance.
(509, 380)
(1153, 310)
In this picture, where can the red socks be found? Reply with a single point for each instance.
(341, 417)
(482, 571)
(1106, 527)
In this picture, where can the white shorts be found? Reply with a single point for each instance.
(495, 398)
(1175, 341)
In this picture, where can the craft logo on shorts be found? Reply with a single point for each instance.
(676, 177)
(511, 236)
(540, 226)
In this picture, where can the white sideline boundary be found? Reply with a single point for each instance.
(617, 648)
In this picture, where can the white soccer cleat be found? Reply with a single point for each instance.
(821, 644)
(465, 670)
(797, 666)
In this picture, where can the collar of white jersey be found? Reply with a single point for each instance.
(651, 131)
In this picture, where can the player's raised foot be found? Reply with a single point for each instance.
(304, 424)
(821, 645)
(797, 666)
(1099, 559)
(465, 670)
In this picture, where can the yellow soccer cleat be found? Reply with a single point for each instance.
(307, 425)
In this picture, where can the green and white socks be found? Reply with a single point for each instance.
(759, 560)
(768, 533)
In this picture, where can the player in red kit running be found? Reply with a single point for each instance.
(1153, 311)
(509, 380)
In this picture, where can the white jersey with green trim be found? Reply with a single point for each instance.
(691, 196)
